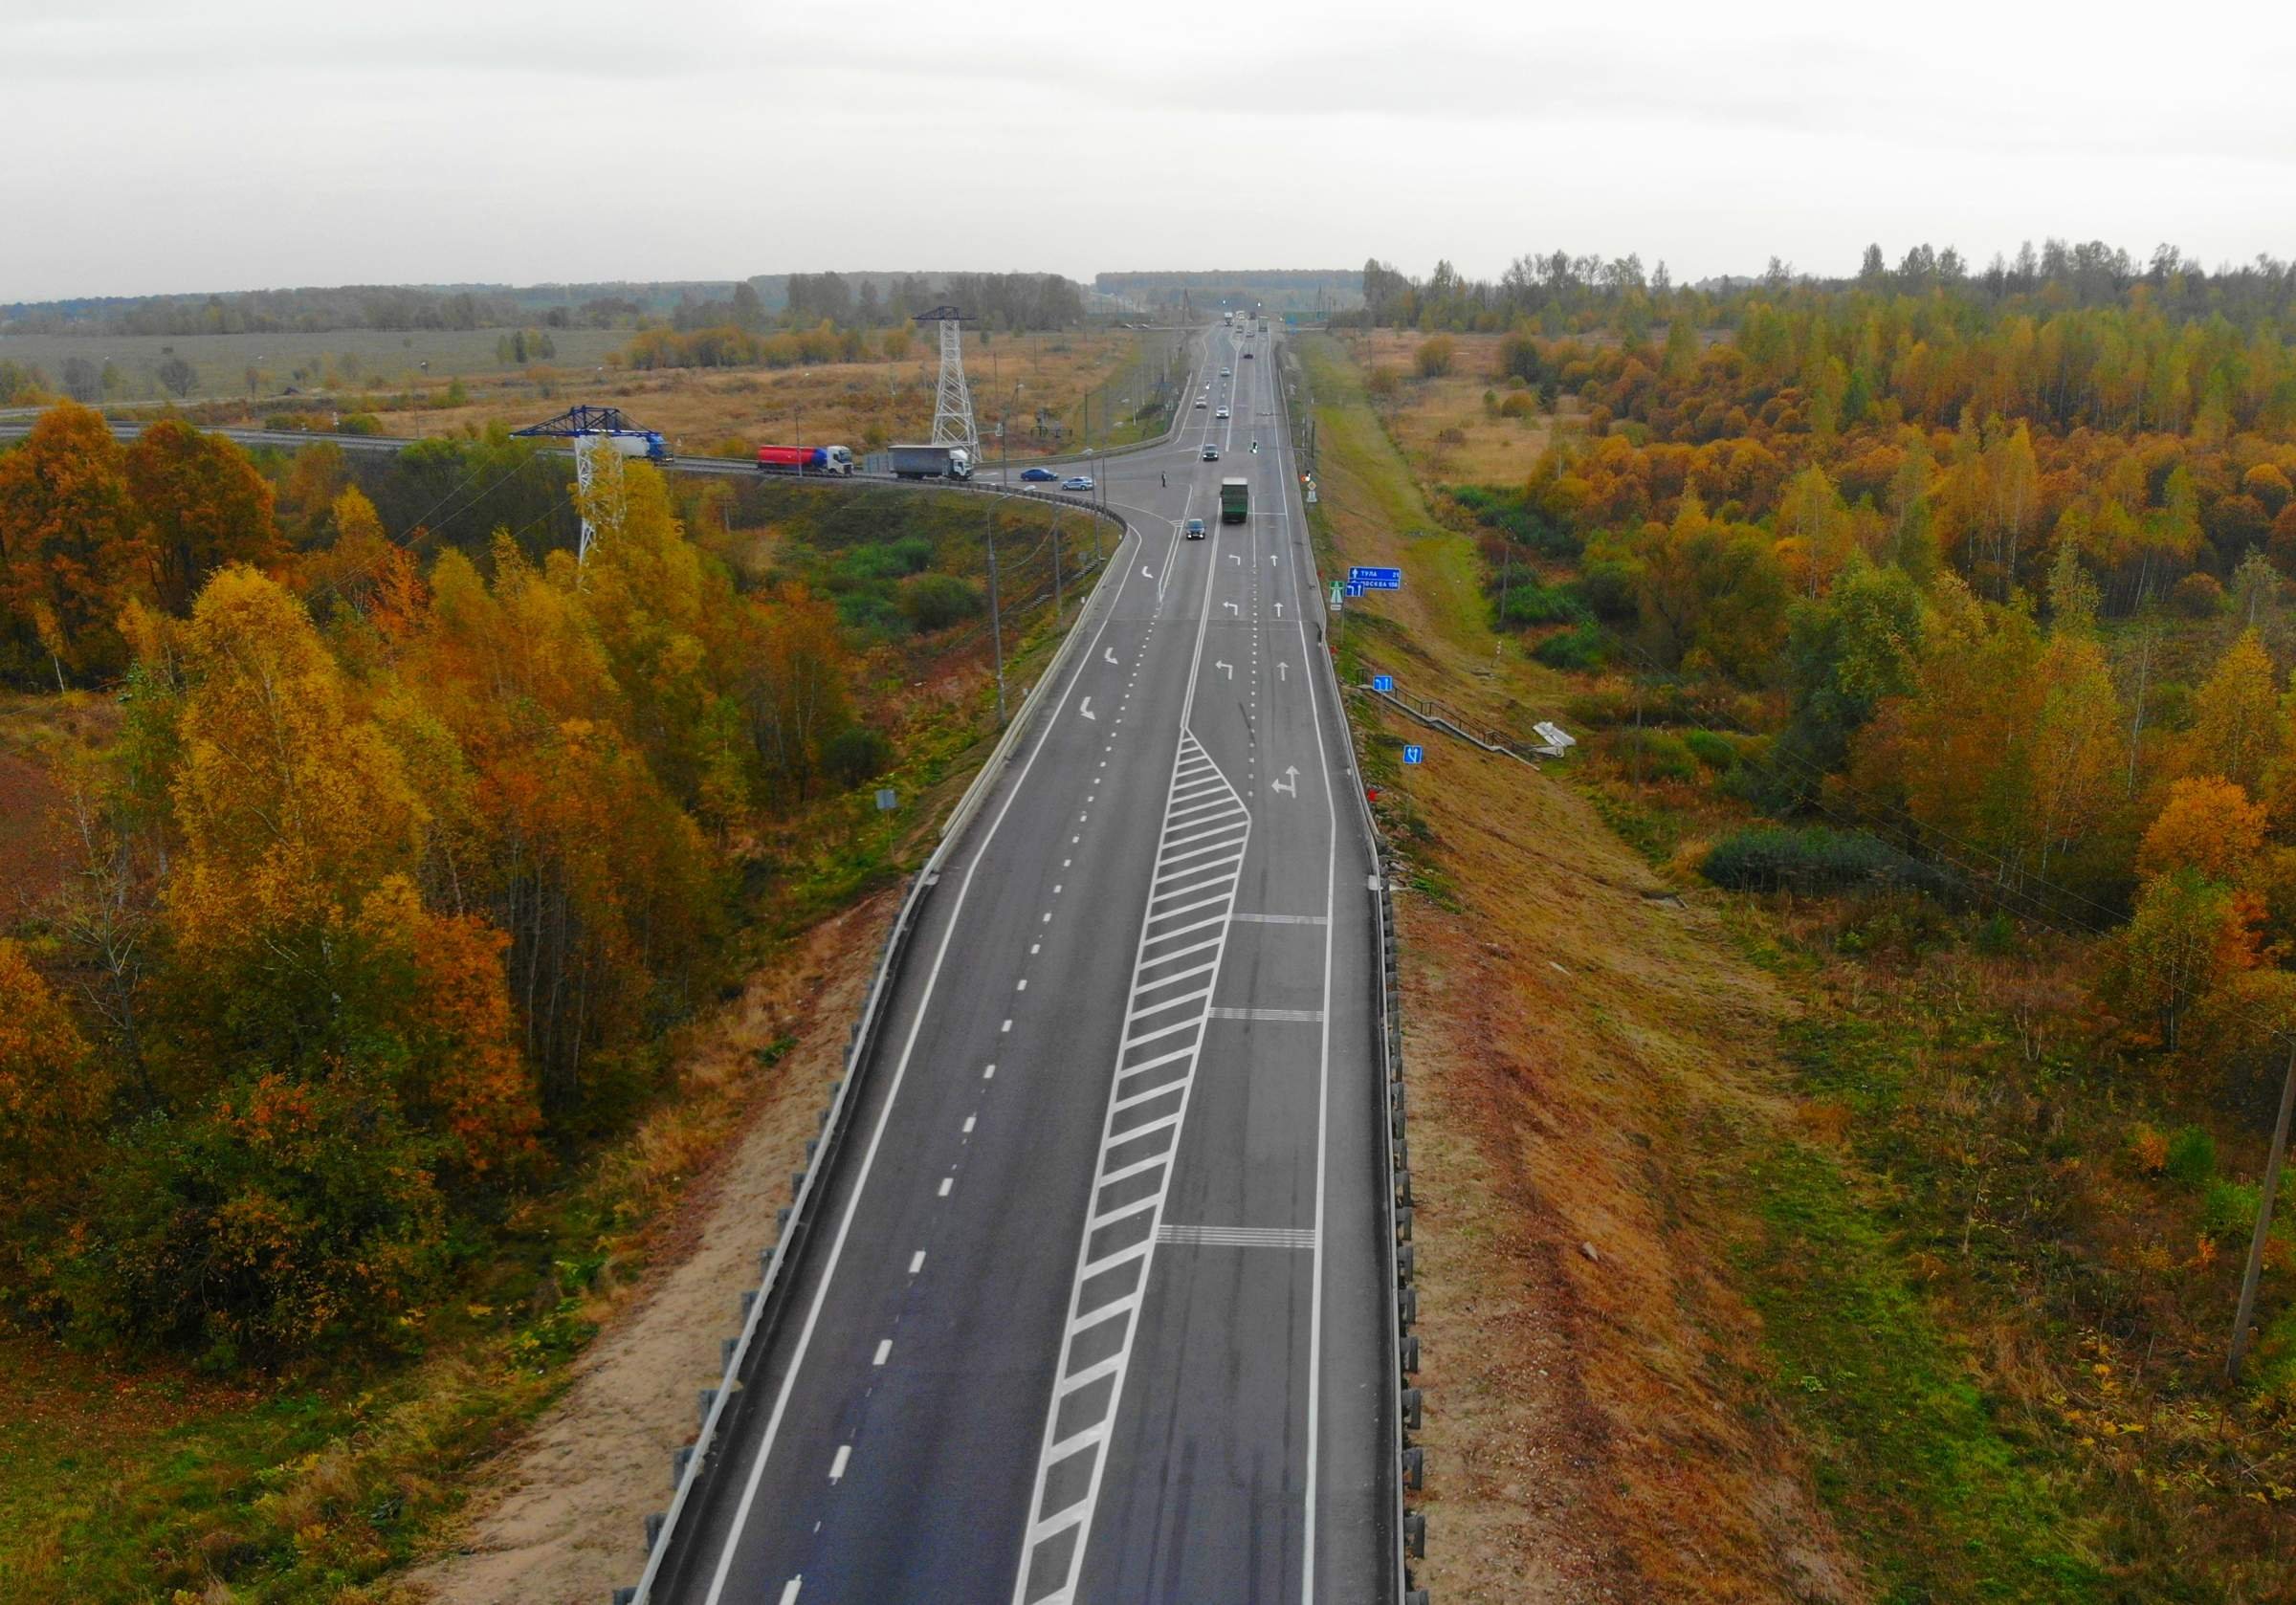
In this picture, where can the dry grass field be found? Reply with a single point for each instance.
(1447, 432)
(863, 405)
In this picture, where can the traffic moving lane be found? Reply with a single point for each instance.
(1098, 1307)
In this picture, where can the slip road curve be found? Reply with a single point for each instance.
(1097, 1306)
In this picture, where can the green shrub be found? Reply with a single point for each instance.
(1815, 860)
(1531, 602)
(854, 754)
(2228, 1209)
(932, 601)
(1709, 749)
(890, 559)
(2192, 1157)
(1582, 645)
(1657, 754)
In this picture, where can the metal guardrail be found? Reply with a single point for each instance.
(1435, 716)
(767, 1305)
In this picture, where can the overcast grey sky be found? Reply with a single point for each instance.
(241, 143)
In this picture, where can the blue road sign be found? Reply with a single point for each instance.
(1354, 589)
(1377, 579)
(1383, 682)
(1415, 755)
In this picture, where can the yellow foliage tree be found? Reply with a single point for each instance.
(291, 807)
(2208, 824)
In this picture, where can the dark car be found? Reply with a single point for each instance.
(1195, 529)
(1038, 474)
(1211, 453)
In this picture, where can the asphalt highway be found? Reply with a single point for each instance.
(1098, 1305)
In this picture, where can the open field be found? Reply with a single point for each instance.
(862, 405)
(381, 357)
(1445, 430)
(1036, 384)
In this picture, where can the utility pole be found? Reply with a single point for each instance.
(1506, 572)
(2263, 1223)
(996, 620)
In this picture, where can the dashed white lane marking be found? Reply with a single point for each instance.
(1024, 985)
(990, 1073)
(1280, 919)
(968, 1124)
(845, 1453)
(1035, 948)
(947, 1182)
(917, 1261)
(884, 1348)
(1005, 1029)
(790, 1588)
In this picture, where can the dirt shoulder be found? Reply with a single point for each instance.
(560, 1515)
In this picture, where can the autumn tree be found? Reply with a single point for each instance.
(2188, 934)
(72, 554)
(2207, 825)
(2237, 727)
(201, 505)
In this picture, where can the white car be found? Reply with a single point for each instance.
(1225, 373)
(1202, 404)
(1221, 413)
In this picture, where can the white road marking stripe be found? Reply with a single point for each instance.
(947, 1182)
(884, 1348)
(1089, 1374)
(917, 1261)
(1239, 1236)
(1185, 929)
(1121, 1256)
(1163, 1031)
(845, 1453)
(1280, 919)
(1178, 954)
(1196, 996)
(1125, 1212)
(1134, 1100)
(1151, 1064)
(1300, 1016)
(1128, 1172)
(790, 1588)
(1108, 1312)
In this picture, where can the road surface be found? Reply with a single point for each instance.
(1098, 1307)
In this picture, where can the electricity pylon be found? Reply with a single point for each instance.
(952, 408)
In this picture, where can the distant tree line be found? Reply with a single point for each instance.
(1562, 293)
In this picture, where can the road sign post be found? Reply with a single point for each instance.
(1376, 578)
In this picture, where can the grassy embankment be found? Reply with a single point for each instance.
(144, 1479)
(1677, 1344)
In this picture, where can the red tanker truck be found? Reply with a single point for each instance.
(805, 460)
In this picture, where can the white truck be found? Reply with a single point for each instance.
(932, 462)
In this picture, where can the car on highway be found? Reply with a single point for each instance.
(1227, 373)
(1078, 482)
(1211, 453)
(1194, 529)
(1247, 353)
(1038, 474)
(1202, 404)
(1221, 413)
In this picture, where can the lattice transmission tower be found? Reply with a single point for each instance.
(952, 408)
